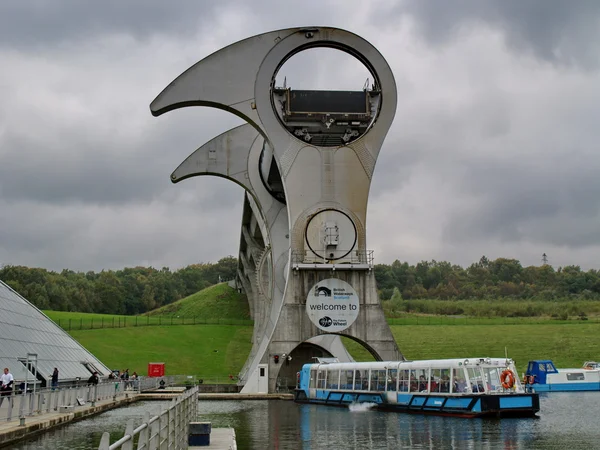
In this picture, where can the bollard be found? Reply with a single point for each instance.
(199, 434)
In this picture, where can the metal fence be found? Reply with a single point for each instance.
(168, 430)
(143, 321)
(21, 405)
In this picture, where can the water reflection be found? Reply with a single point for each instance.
(373, 429)
(86, 434)
(567, 421)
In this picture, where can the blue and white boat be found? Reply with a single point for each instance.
(543, 376)
(473, 387)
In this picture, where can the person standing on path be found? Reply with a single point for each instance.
(93, 380)
(55, 379)
(6, 382)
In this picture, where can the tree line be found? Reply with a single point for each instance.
(128, 291)
(485, 279)
(140, 289)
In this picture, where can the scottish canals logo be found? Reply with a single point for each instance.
(325, 322)
(332, 305)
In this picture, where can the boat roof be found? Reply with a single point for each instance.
(434, 363)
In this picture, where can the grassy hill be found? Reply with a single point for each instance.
(215, 302)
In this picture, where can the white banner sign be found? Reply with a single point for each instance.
(332, 305)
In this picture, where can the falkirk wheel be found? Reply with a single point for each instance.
(305, 159)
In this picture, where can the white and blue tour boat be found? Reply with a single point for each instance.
(474, 387)
(543, 376)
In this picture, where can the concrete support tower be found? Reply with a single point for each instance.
(305, 159)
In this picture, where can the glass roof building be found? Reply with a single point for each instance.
(32, 345)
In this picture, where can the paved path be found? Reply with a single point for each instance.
(14, 430)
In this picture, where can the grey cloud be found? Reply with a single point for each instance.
(556, 202)
(40, 23)
(94, 185)
(554, 30)
(98, 171)
(395, 165)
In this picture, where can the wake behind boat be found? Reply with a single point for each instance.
(473, 387)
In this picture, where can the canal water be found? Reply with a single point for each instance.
(566, 421)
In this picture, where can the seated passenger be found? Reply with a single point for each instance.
(460, 385)
(422, 383)
(444, 382)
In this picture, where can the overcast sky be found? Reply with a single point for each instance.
(493, 151)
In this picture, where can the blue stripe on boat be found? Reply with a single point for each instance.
(404, 399)
(434, 402)
(477, 406)
(461, 403)
(348, 397)
(559, 387)
(515, 402)
(418, 401)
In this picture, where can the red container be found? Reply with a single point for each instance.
(156, 369)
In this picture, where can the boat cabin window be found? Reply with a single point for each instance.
(492, 378)
(403, 379)
(313, 379)
(361, 380)
(357, 380)
(439, 380)
(377, 380)
(333, 379)
(542, 367)
(459, 384)
(392, 380)
(575, 376)
(347, 379)
(444, 382)
(418, 380)
(476, 379)
(321, 377)
(434, 380)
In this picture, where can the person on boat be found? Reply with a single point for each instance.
(422, 383)
(433, 385)
(461, 385)
(444, 381)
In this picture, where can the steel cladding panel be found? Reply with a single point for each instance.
(25, 329)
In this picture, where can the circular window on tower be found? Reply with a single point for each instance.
(331, 235)
(325, 96)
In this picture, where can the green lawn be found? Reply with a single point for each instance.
(190, 350)
(208, 351)
(568, 345)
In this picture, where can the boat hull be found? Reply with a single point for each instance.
(466, 406)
